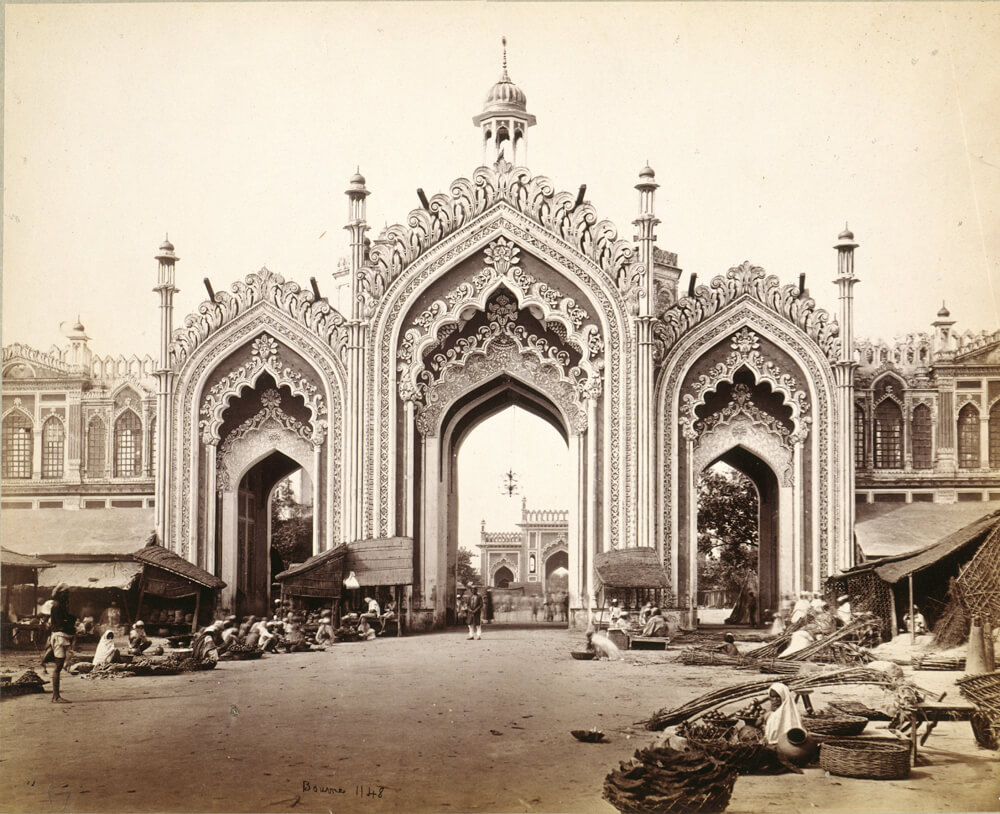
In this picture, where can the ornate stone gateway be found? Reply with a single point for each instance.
(503, 291)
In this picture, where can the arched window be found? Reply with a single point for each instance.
(923, 456)
(968, 438)
(128, 445)
(995, 436)
(888, 435)
(97, 439)
(53, 447)
(17, 445)
(860, 436)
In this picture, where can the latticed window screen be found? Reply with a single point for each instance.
(17, 446)
(923, 457)
(888, 435)
(968, 438)
(97, 438)
(995, 436)
(128, 445)
(860, 436)
(53, 446)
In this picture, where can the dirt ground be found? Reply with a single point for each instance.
(430, 723)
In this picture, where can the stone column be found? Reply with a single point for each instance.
(164, 392)
(354, 526)
(645, 457)
(212, 494)
(843, 370)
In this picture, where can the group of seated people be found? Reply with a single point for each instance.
(649, 621)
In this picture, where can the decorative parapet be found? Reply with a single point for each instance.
(501, 537)
(544, 516)
(122, 367)
(24, 353)
(751, 281)
(534, 196)
(971, 342)
(912, 350)
(264, 286)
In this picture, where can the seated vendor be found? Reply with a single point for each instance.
(919, 624)
(623, 622)
(373, 612)
(365, 630)
(656, 625)
(203, 649)
(784, 714)
(138, 641)
(106, 652)
(389, 615)
(729, 646)
(324, 633)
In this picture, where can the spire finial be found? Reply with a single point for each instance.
(503, 41)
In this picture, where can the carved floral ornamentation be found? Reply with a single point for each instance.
(264, 356)
(264, 286)
(271, 417)
(747, 280)
(534, 196)
(746, 353)
(502, 268)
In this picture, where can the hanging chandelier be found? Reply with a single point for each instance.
(510, 485)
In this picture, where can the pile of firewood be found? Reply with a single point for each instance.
(660, 780)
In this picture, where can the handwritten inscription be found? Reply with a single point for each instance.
(360, 790)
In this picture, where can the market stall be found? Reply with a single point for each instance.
(383, 569)
(633, 576)
(20, 571)
(318, 580)
(174, 595)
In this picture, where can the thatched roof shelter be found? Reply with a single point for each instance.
(631, 568)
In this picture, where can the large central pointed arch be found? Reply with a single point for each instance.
(605, 304)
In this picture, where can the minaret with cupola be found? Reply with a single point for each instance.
(166, 288)
(504, 121)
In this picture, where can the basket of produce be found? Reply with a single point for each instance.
(827, 723)
(857, 708)
(872, 759)
(28, 682)
(588, 735)
(663, 780)
(583, 655)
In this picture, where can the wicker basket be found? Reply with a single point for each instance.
(873, 759)
(842, 725)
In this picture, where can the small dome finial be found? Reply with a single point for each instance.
(944, 313)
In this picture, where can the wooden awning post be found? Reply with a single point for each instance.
(913, 627)
(197, 610)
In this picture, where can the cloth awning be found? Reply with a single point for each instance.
(901, 529)
(972, 534)
(631, 568)
(86, 531)
(121, 574)
(162, 558)
(320, 577)
(382, 561)
(11, 559)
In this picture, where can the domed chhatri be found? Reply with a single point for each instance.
(358, 179)
(646, 173)
(166, 246)
(505, 96)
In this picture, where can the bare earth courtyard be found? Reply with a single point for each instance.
(430, 723)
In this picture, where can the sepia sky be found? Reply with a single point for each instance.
(235, 127)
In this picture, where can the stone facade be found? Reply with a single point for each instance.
(528, 555)
(504, 290)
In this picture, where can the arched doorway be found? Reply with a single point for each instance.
(256, 559)
(502, 425)
(738, 522)
(557, 570)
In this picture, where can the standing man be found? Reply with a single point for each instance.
(62, 629)
(474, 617)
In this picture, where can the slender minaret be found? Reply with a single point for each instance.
(504, 121)
(165, 380)
(843, 371)
(356, 340)
(645, 223)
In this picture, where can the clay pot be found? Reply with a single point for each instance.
(796, 746)
(975, 661)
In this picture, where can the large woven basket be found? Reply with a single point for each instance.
(841, 725)
(873, 759)
(746, 758)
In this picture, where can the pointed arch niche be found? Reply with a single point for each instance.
(748, 389)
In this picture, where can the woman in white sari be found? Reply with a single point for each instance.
(106, 652)
(784, 714)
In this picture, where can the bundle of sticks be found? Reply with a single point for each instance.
(937, 663)
(711, 657)
(741, 692)
(772, 648)
(860, 629)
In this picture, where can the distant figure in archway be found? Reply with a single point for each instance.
(474, 618)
